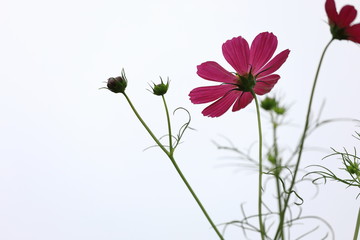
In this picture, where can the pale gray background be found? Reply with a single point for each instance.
(72, 164)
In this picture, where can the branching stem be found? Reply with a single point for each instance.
(170, 154)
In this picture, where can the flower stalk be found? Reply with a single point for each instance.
(170, 154)
(262, 229)
(357, 226)
(171, 149)
(302, 141)
(277, 169)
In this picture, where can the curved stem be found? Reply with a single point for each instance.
(262, 230)
(356, 233)
(302, 141)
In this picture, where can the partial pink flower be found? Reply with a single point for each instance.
(254, 74)
(340, 23)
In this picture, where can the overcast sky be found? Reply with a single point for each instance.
(72, 159)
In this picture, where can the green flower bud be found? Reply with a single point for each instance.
(279, 110)
(161, 88)
(117, 84)
(353, 169)
(271, 158)
(268, 103)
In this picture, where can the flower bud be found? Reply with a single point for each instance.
(161, 88)
(279, 110)
(353, 168)
(271, 158)
(117, 84)
(268, 103)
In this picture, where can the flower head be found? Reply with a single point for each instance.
(340, 22)
(254, 74)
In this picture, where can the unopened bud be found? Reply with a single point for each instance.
(271, 158)
(353, 169)
(279, 110)
(268, 103)
(117, 84)
(161, 88)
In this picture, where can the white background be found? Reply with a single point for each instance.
(72, 164)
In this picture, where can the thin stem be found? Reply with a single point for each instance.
(277, 170)
(279, 203)
(171, 157)
(356, 233)
(195, 197)
(145, 126)
(262, 230)
(169, 125)
(302, 141)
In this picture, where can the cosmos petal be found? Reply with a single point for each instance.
(243, 100)
(265, 84)
(236, 53)
(219, 107)
(262, 49)
(274, 64)
(208, 94)
(214, 72)
(331, 12)
(346, 16)
(354, 33)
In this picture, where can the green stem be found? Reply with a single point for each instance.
(171, 157)
(169, 125)
(356, 233)
(302, 141)
(277, 170)
(145, 126)
(262, 230)
(279, 202)
(195, 197)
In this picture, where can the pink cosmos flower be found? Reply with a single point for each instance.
(340, 22)
(253, 74)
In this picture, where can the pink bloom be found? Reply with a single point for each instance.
(253, 74)
(340, 22)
